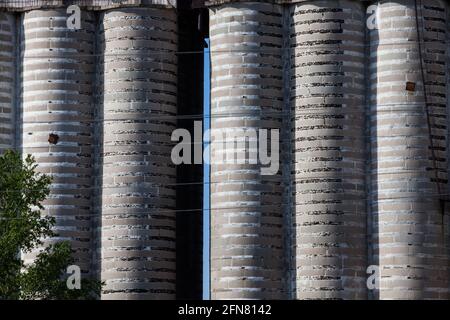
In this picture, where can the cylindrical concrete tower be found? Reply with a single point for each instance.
(408, 159)
(57, 73)
(328, 183)
(7, 76)
(138, 77)
(246, 95)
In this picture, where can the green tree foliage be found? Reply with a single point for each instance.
(22, 228)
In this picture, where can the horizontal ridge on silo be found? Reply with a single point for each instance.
(409, 158)
(246, 94)
(328, 153)
(7, 80)
(57, 74)
(138, 77)
(25, 5)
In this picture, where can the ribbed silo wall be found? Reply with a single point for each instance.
(246, 94)
(327, 75)
(408, 149)
(7, 80)
(57, 74)
(138, 89)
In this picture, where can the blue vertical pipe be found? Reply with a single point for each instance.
(206, 173)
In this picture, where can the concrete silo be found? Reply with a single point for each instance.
(138, 89)
(409, 156)
(7, 80)
(247, 257)
(329, 251)
(56, 114)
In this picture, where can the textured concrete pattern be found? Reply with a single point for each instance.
(246, 94)
(24, 5)
(285, 2)
(328, 153)
(7, 76)
(363, 178)
(407, 166)
(138, 79)
(57, 73)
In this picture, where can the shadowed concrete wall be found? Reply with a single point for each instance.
(408, 231)
(7, 75)
(138, 77)
(246, 94)
(327, 95)
(193, 28)
(57, 74)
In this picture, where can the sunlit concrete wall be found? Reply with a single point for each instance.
(138, 89)
(56, 87)
(409, 157)
(328, 247)
(246, 94)
(302, 61)
(328, 153)
(26, 5)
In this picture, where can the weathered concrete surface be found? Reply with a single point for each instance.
(24, 5)
(7, 76)
(327, 95)
(57, 73)
(136, 232)
(246, 93)
(138, 79)
(285, 2)
(409, 233)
